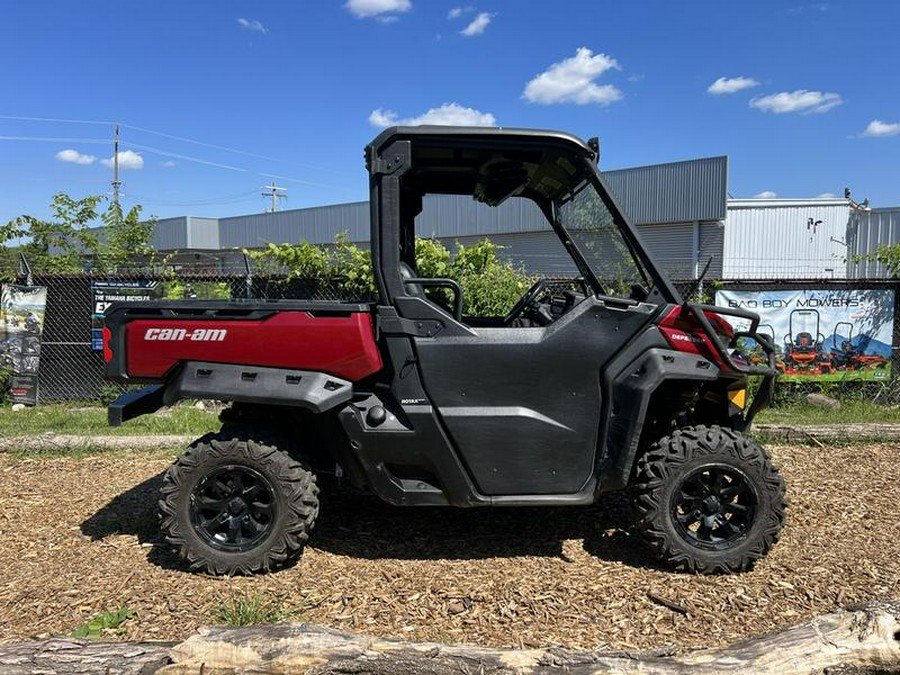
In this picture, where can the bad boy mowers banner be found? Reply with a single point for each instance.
(22, 313)
(825, 334)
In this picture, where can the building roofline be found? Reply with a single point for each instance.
(655, 165)
(776, 203)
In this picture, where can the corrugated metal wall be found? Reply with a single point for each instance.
(674, 192)
(318, 225)
(461, 216)
(786, 239)
(868, 230)
(712, 237)
(170, 234)
(202, 232)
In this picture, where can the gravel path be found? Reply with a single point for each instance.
(79, 537)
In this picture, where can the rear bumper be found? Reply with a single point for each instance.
(316, 392)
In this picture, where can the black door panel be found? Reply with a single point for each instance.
(522, 405)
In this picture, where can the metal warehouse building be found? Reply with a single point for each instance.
(681, 209)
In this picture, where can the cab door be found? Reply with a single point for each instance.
(524, 406)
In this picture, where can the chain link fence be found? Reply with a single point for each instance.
(71, 366)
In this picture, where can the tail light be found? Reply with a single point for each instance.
(683, 332)
(107, 352)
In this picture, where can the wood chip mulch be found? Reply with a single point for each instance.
(79, 537)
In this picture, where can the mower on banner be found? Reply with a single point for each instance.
(804, 352)
(847, 357)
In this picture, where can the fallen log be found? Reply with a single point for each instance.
(866, 637)
(862, 639)
(781, 433)
(65, 656)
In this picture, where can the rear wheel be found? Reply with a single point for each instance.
(708, 500)
(236, 504)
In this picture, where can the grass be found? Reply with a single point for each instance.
(850, 412)
(251, 610)
(91, 421)
(103, 624)
(248, 610)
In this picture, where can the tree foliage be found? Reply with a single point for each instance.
(491, 286)
(886, 254)
(73, 235)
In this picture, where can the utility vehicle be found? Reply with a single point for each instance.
(569, 396)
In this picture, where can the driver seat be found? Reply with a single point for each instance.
(415, 290)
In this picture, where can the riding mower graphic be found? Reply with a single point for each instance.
(804, 352)
(846, 356)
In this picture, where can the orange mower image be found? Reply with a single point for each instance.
(804, 352)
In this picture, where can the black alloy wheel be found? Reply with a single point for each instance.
(233, 508)
(714, 507)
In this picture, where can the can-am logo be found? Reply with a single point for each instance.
(195, 335)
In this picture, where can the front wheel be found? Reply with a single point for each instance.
(708, 500)
(236, 504)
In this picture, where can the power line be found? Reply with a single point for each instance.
(187, 158)
(163, 134)
(210, 201)
(54, 139)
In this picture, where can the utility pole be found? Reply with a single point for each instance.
(274, 192)
(116, 184)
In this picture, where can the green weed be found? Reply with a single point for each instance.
(103, 624)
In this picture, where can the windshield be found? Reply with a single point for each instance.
(592, 227)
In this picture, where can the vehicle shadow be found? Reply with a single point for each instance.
(134, 512)
(361, 526)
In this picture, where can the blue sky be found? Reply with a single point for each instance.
(218, 99)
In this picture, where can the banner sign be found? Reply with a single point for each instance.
(107, 292)
(823, 334)
(22, 311)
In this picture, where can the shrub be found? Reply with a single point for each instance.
(491, 286)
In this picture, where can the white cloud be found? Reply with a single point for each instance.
(730, 85)
(449, 114)
(74, 157)
(457, 12)
(169, 164)
(572, 81)
(766, 194)
(363, 9)
(826, 195)
(252, 25)
(477, 25)
(128, 159)
(801, 100)
(878, 129)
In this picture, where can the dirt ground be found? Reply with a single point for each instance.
(79, 536)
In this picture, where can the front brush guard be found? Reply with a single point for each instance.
(768, 372)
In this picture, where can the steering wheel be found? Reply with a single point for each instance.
(525, 301)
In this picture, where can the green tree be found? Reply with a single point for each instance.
(61, 244)
(57, 245)
(125, 237)
(886, 254)
(491, 286)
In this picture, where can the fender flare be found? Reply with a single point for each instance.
(630, 392)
